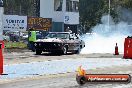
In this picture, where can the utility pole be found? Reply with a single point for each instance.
(109, 14)
(20, 8)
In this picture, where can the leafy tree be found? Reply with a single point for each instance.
(20, 7)
(91, 11)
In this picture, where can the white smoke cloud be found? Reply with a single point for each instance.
(110, 28)
(100, 44)
(105, 37)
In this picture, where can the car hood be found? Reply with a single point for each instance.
(50, 40)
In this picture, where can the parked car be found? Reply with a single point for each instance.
(59, 43)
(12, 35)
(6, 38)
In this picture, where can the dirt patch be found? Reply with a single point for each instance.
(19, 50)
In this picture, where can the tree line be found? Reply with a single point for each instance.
(21, 7)
(91, 11)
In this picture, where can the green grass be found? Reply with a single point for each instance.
(10, 45)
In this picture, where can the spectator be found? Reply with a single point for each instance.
(32, 39)
(68, 30)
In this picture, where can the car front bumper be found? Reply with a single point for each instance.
(48, 46)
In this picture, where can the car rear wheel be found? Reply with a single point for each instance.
(77, 51)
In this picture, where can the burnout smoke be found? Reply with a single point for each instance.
(105, 36)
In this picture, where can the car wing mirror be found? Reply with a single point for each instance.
(71, 37)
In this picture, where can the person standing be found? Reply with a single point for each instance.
(68, 30)
(32, 39)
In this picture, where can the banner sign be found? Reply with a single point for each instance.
(39, 23)
(71, 18)
(14, 23)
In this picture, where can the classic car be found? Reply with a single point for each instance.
(59, 43)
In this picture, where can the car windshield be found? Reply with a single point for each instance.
(57, 35)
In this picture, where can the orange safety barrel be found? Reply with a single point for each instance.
(3, 44)
(128, 48)
(1, 59)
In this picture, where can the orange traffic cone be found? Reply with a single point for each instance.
(116, 50)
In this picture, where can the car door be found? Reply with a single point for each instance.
(73, 42)
(76, 42)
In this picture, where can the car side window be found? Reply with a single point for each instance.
(73, 36)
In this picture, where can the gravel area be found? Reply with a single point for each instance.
(26, 56)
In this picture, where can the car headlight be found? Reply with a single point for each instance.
(59, 44)
(39, 44)
(35, 44)
(54, 44)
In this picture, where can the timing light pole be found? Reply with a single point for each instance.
(109, 14)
